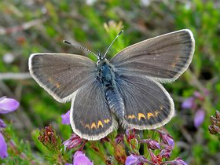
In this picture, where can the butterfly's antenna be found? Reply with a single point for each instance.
(112, 43)
(79, 47)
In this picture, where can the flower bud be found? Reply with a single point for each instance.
(151, 144)
(166, 138)
(49, 138)
(73, 142)
(178, 161)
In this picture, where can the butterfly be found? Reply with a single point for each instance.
(125, 89)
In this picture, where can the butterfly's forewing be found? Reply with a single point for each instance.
(61, 74)
(90, 116)
(163, 58)
(147, 104)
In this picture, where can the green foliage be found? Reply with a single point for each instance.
(18, 149)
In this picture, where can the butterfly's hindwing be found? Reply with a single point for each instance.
(61, 74)
(147, 104)
(90, 115)
(163, 58)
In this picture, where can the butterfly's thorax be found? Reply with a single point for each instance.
(105, 73)
(106, 76)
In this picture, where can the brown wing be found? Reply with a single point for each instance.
(61, 74)
(147, 104)
(163, 58)
(90, 116)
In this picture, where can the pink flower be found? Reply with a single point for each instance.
(119, 138)
(130, 134)
(188, 103)
(199, 117)
(3, 147)
(66, 118)
(2, 124)
(81, 159)
(155, 159)
(136, 160)
(73, 141)
(178, 161)
(166, 138)
(152, 144)
(166, 152)
(8, 105)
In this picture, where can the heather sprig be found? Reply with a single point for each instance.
(214, 128)
(50, 139)
(126, 148)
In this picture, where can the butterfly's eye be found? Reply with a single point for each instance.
(98, 62)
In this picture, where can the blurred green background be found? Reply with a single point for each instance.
(37, 26)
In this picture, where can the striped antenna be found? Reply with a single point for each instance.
(79, 47)
(112, 43)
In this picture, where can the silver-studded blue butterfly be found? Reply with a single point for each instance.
(125, 89)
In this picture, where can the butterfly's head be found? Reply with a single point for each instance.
(101, 59)
(100, 56)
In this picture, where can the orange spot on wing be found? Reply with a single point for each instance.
(93, 125)
(141, 115)
(149, 115)
(177, 60)
(106, 120)
(87, 126)
(131, 116)
(100, 123)
(173, 65)
(50, 79)
(53, 82)
(156, 113)
(57, 85)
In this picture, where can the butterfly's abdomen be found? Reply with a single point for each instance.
(115, 102)
(107, 78)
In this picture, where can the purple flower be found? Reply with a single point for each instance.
(119, 138)
(152, 144)
(133, 160)
(155, 159)
(199, 117)
(2, 124)
(130, 134)
(166, 153)
(201, 96)
(198, 94)
(167, 139)
(8, 105)
(188, 103)
(73, 141)
(3, 147)
(81, 159)
(178, 161)
(66, 118)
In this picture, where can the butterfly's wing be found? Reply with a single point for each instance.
(61, 74)
(163, 58)
(147, 104)
(90, 116)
